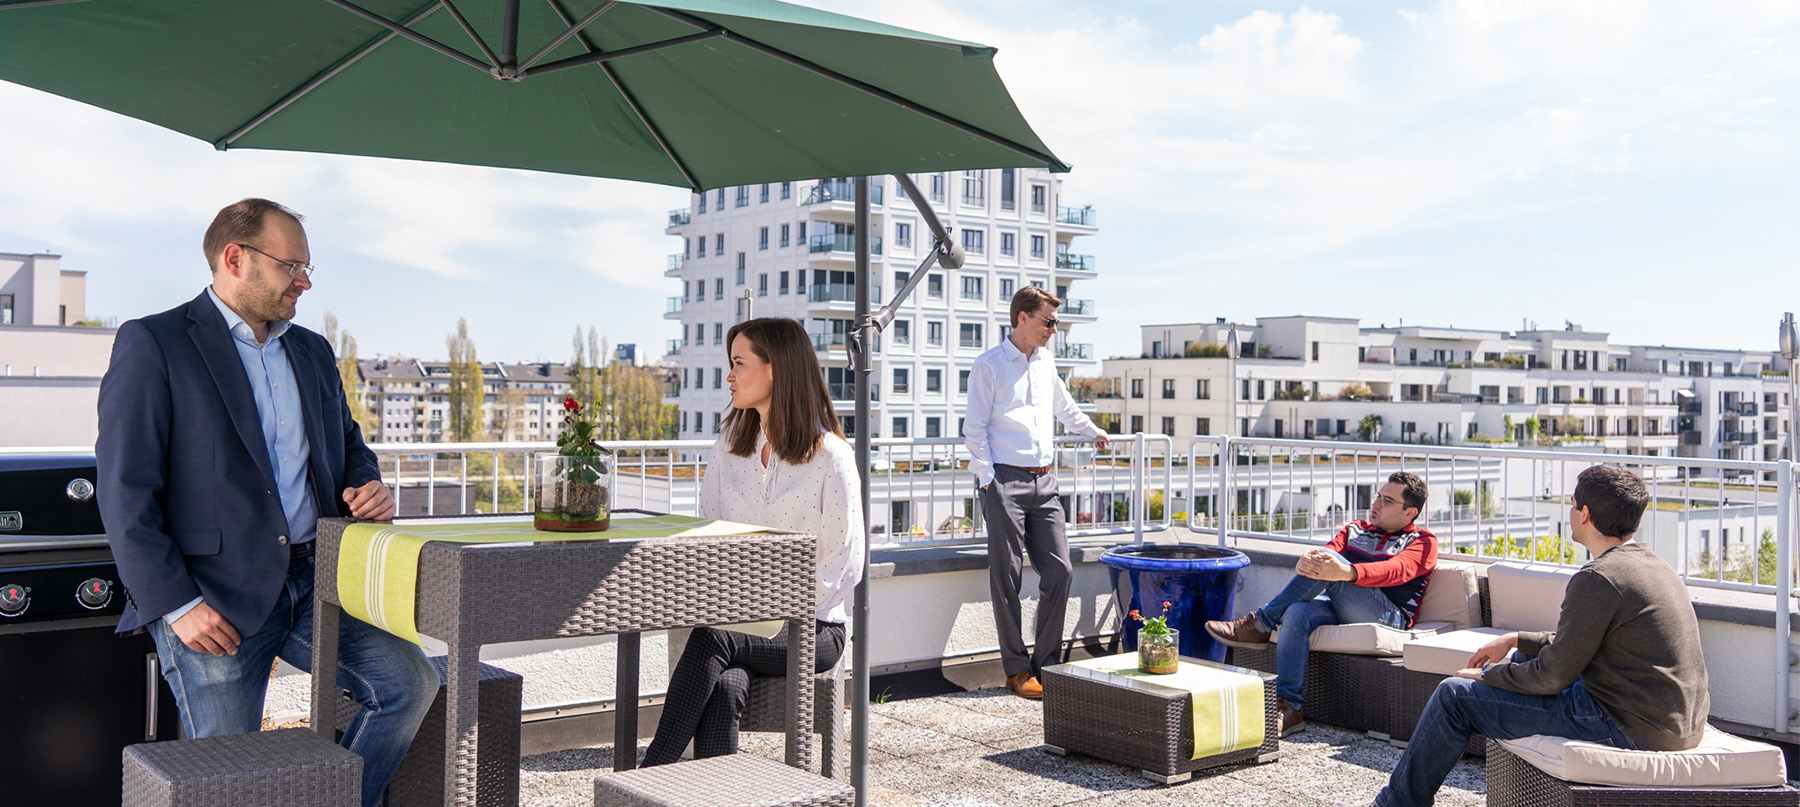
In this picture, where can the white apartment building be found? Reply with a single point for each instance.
(411, 400)
(52, 354)
(790, 247)
(1321, 377)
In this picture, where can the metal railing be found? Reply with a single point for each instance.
(1078, 216)
(675, 262)
(673, 306)
(1077, 350)
(839, 293)
(840, 191)
(679, 218)
(840, 242)
(1075, 263)
(1077, 308)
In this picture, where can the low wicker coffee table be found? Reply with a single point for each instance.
(1139, 723)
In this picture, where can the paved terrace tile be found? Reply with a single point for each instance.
(984, 749)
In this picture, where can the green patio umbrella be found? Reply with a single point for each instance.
(693, 93)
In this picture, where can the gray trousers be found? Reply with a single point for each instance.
(1024, 517)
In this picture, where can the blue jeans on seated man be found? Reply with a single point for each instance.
(385, 673)
(1307, 604)
(1462, 707)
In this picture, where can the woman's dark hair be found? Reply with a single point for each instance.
(1614, 497)
(799, 404)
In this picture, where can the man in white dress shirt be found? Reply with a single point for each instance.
(1014, 397)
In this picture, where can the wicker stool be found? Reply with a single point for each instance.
(419, 781)
(765, 709)
(737, 780)
(290, 767)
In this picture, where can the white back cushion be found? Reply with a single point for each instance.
(1526, 597)
(1453, 596)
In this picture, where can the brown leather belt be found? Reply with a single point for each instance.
(1040, 470)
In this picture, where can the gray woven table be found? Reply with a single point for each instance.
(471, 595)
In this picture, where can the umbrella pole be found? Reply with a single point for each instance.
(864, 365)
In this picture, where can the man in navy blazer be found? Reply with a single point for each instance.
(224, 436)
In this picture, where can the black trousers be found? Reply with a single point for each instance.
(709, 685)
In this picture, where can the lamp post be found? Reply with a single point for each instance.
(1785, 516)
(1231, 354)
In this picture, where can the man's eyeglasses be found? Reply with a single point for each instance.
(1049, 322)
(294, 268)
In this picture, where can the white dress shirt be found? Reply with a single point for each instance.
(821, 497)
(1013, 400)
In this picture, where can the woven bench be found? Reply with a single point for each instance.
(1514, 782)
(736, 780)
(419, 781)
(766, 708)
(289, 767)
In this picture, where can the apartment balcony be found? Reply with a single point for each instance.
(1690, 438)
(1741, 438)
(1076, 308)
(679, 218)
(1067, 263)
(672, 308)
(846, 391)
(672, 347)
(840, 192)
(675, 264)
(1083, 351)
(823, 342)
(839, 293)
(1085, 217)
(836, 246)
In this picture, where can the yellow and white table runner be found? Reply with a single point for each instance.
(1228, 706)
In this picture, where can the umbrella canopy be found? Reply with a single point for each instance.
(692, 93)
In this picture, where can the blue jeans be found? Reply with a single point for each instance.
(1461, 707)
(1306, 604)
(385, 673)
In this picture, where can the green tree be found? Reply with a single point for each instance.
(484, 477)
(632, 398)
(1198, 350)
(1368, 428)
(466, 392)
(584, 367)
(1507, 421)
(350, 373)
(1533, 428)
(1739, 564)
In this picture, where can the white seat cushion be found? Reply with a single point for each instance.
(1721, 760)
(1447, 652)
(1453, 596)
(1526, 597)
(1367, 638)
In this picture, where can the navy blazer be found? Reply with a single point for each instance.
(185, 489)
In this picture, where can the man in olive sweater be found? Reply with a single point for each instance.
(1623, 667)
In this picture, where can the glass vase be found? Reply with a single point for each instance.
(572, 494)
(1157, 653)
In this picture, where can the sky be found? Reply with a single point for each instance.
(1633, 167)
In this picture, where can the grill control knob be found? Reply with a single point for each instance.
(94, 593)
(13, 599)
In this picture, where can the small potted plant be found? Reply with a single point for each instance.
(573, 487)
(1157, 643)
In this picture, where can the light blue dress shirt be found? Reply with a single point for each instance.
(283, 429)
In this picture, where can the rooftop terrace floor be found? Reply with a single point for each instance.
(985, 749)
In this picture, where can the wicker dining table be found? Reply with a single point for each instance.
(469, 595)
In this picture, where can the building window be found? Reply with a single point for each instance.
(934, 286)
(801, 238)
(1137, 388)
(1008, 244)
(718, 288)
(719, 242)
(1040, 198)
(743, 196)
(903, 332)
(971, 288)
(969, 335)
(934, 380)
(1006, 289)
(763, 197)
(718, 335)
(962, 381)
(934, 333)
(1168, 389)
(902, 384)
(937, 187)
(1203, 388)
(1315, 351)
(787, 189)
(974, 188)
(1168, 426)
(715, 414)
(762, 240)
(762, 285)
(700, 246)
(719, 201)
(903, 235)
(974, 241)
(785, 233)
(718, 377)
(740, 269)
(1037, 247)
(784, 283)
(701, 207)
(1008, 195)
(1137, 424)
(6, 309)
(900, 427)
(1202, 426)
(934, 427)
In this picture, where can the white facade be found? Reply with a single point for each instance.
(410, 400)
(1321, 377)
(50, 367)
(790, 246)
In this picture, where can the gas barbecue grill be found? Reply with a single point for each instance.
(72, 695)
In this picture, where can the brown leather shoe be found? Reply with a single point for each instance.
(1025, 685)
(1241, 632)
(1288, 718)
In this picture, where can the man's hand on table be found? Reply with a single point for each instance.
(371, 502)
(206, 631)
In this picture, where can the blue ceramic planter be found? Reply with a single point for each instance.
(1199, 583)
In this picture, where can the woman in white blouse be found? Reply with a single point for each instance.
(780, 461)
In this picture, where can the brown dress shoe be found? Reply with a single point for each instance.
(1025, 685)
(1288, 718)
(1241, 632)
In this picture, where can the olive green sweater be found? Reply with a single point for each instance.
(1628, 630)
